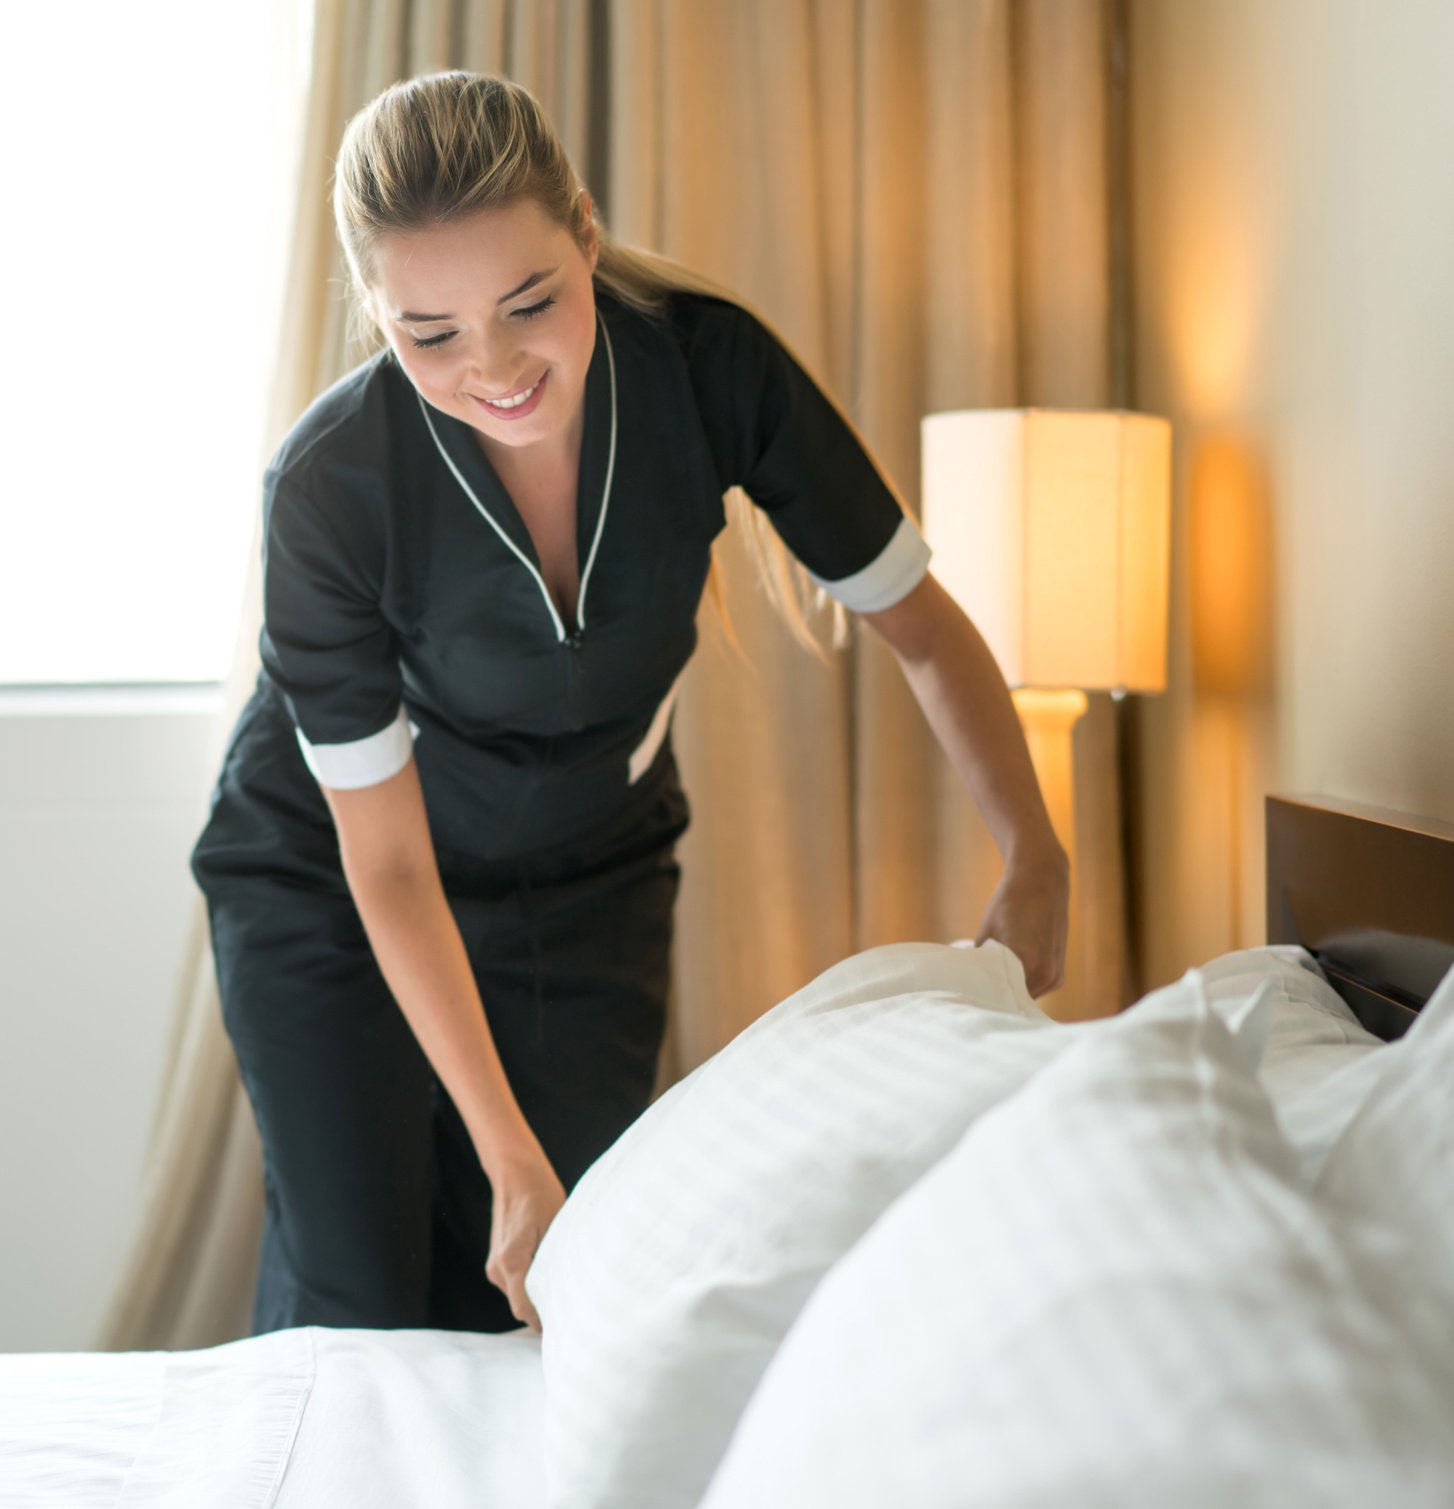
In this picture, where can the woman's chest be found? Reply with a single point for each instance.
(547, 508)
(565, 609)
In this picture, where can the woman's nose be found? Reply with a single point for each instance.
(501, 366)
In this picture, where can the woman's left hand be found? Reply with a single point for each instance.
(1030, 914)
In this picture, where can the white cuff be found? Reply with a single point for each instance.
(889, 578)
(362, 762)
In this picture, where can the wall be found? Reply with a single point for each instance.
(1292, 246)
(102, 796)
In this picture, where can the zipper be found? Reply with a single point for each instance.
(573, 642)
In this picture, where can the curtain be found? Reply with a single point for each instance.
(916, 193)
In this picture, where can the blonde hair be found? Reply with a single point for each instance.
(443, 146)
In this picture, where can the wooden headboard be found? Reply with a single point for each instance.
(1370, 894)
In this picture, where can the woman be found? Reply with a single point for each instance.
(439, 863)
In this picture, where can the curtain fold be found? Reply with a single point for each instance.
(911, 191)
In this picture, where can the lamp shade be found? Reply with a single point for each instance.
(1051, 530)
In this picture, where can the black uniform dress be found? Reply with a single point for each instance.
(405, 610)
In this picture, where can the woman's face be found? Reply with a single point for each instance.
(493, 318)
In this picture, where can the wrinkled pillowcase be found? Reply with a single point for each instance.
(1319, 1061)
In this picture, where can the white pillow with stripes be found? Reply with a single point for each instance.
(1311, 1030)
(1393, 1168)
(1319, 1060)
(681, 1258)
(1114, 1291)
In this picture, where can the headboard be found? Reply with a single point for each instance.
(1370, 894)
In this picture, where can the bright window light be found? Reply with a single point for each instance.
(147, 185)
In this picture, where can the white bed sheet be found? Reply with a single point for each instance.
(311, 1418)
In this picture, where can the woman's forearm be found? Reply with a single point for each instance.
(419, 949)
(958, 685)
(390, 865)
(969, 708)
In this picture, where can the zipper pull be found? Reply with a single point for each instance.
(573, 643)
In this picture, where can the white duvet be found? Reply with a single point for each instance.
(1296, 1109)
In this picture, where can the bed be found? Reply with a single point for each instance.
(906, 1241)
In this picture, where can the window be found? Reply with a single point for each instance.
(148, 183)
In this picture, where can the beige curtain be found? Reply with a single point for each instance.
(915, 191)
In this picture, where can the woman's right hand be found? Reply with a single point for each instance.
(527, 1196)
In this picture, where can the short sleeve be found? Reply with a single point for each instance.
(776, 434)
(326, 645)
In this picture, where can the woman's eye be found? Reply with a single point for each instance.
(532, 313)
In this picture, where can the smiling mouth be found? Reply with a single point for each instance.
(514, 400)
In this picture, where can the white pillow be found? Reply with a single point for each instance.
(671, 1274)
(1317, 1066)
(1308, 1022)
(1114, 1291)
(1393, 1168)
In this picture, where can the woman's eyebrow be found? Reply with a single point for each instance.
(530, 282)
(411, 318)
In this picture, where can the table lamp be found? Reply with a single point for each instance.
(1051, 530)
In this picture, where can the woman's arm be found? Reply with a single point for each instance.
(389, 863)
(968, 706)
